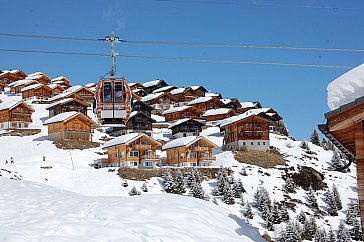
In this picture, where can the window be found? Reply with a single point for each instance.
(263, 143)
(133, 153)
(243, 143)
(258, 143)
(192, 155)
(148, 163)
(148, 153)
(204, 154)
(133, 163)
(182, 155)
(193, 164)
(252, 143)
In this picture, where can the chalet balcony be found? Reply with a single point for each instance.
(17, 119)
(142, 128)
(206, 158)
(141, 147)
(199, 148)
(150, 157)
(22, 112)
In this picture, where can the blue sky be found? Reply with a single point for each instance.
(297, 93)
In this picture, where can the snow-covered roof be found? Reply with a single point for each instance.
(212, 94)
(158, 118)
(92, 84)
(163, 89)
(151, 83)
(132, 84)
(30, 87)
(53, 85)
(60, 79)
(181, 121)
(59, 96)
(218, 111)
(36, 75)
(176, 109)
(247, 105)
(195, 87)
(151, 96)
(178, 91)
(66, 100)
(247, 114)
(73, 89)
(61, 117)
(137, 90)
(346, 88)
(9, 71)
(200, 100)
(225, 100)
(122, 139)
(184, 141)
(10, 104)
(22, 82)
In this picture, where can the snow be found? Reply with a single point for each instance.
(123, 139)
(21, 82)
(53, 85)
(158, 118)
(178, 91)
(151, 83)
(211, 94)
(346, 88)
(247, 105)
(61, 117)
(151, 96)
(60, 78)
(218, 111)
(60, 96)
(73, 89)
(163, 89)
(47, 214)
(237, 118)
(136, 90)
(9, 104)
(91, 84)
(175, 109)
(225, 100)
(184, 141)
(30, 87)
(200, 100)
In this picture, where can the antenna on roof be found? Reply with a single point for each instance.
(112, 39)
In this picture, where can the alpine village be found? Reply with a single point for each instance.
(151, 137)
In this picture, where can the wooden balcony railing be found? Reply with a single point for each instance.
(207, 158)
(141, 147)
(200, 148)
(150, 157)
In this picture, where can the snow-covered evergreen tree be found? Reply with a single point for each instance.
(302, 218)
(134, 192)
(168, 181)
(315, 138)
(289, 186)
(304, 145)
(191, 177)
(330, 203)
(282, 128)
(323, 144)
(342, 233)
(291, 234)
(222, 179)
(321, 235)
(197, 191)
(242, 200)
(266, 211)
(243, 171)
(124, 183)
(231, 180)
(228, 196)
(311, 198)
(331, 237)
(355, 231)
(336, 163)
(248, 212)
(283, 213)
(352, 212)
(337, 198)
(144, 187)
(309, 228)
(275, 215)
(261, 198)
(179, 183)
(238, 188)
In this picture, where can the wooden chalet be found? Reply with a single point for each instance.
(199, 90)
(63, 81)
(245, 106)
(233, 104)
(10, 76)
(133, 150)
(135, 85)
(139, 92)
(56, 89)
(181, 112)
(39, 77)
(16, 87)
(246, 131)
(65, 95)
(189, 151)
(140, 118)
(206, 103)
(186, 127)
(214, 115)
(15, 114)
(67, 105)
(70, 126)
(165, 89)
(86, 94)
(160, 101)
(184, 95)
(213, 94)
(150, 86)
(36, 91)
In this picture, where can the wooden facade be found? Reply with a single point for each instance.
(70, 126)
(139, 122)
(63, 81)
(36, 91)
(65, 95)
(2, 86)
(15, 87)
(251, 133)
(182, 112)
(67, 105)
(56, 89)
(186, 127)
(7, 77)
(199, 90)
(15, 115)
(233, 104)
(135, 85)
(86, 94)
(184, 95)
(160, 102)
(149, 87)
(189, 151)
(40, 77)
(214, 115)
(133, 150)
(206, 103)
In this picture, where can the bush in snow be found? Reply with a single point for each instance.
(304, 145)
(311, 198)
(315, 138)
(289, 186)
(134, 192)
(342, 233)
(243, 171)
(355, 231)
(124, 183)
(179, 184)
(144, 187)
(289, 144)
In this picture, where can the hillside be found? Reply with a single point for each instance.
(70, 170)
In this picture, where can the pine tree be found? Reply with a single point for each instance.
(352, 212)
(304, 145)
(238, 188)
(134, 192)
(191, 177)
(197, 191)
(275, 215)
(283, 213)
(266, 211)
(179, 183)
(320, 235)
(243, 171)
(323, 144)
(144, 187)
(247, 212)
(168, 181)
(315, 138)
(355, 231)
(302, 217)
(289, 186)
(242, 200)
(282, 128)
(337, 198)
(311, 198)
(331, 237)
(330, 203)
(309, 228)
(342, 233)
(261, 198)
(330, 145)
(222, 179)
(336, 163)
(291, 234)
(228, 197)
(231, 180)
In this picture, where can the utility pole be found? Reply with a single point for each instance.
(112, 39)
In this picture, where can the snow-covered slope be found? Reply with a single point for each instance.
(35, 212)
(346, 88)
